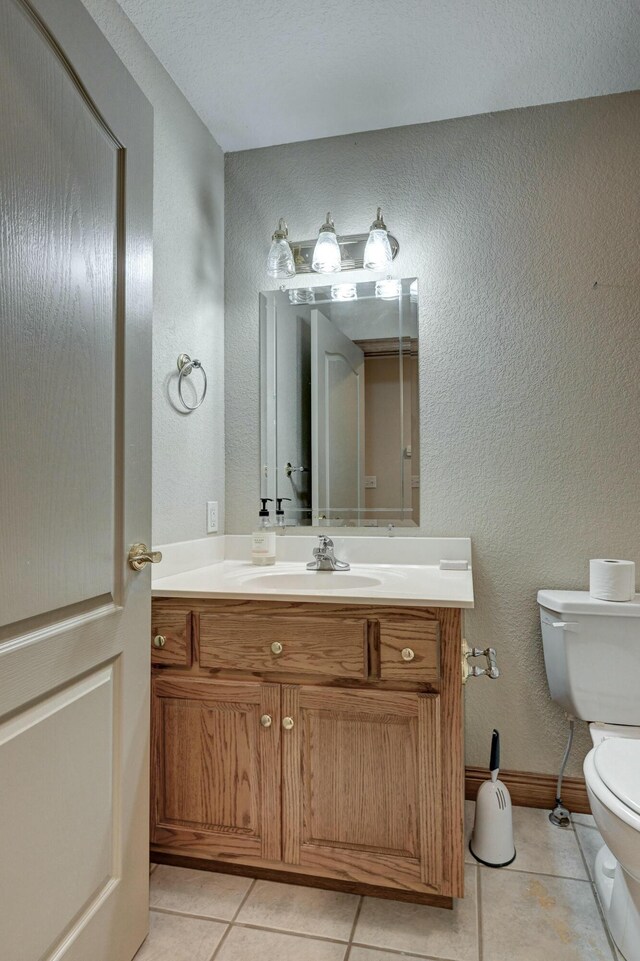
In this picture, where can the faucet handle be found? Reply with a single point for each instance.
(325, 542)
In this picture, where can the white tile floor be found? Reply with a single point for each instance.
(542, 908)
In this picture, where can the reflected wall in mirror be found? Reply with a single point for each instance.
(340, 403)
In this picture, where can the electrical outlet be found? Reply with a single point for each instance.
(370, 482)
(415, 480)
(212, 517)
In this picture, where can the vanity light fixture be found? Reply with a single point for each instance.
(328, 254)
(280, 262)
(327, 258)
(388, 289)
(377, 253)
(344, 292)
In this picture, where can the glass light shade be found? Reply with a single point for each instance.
(302, 296)
(388, 289)
(326, 255)
(280, 263)
(413, 292)
(344, 292)
(377, 253)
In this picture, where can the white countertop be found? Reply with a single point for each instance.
(396, 584)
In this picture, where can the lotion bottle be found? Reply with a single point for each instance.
(263, 540)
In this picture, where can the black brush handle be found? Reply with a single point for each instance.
(494, 763)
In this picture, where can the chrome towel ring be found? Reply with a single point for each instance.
(185, 366)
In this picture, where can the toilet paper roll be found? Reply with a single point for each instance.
(612, 580)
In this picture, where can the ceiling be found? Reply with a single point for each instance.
(263, 72)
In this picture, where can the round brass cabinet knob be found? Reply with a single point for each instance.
(287, 723)
(266, 720)
(159, 641)
(276, 647)
(407, 654)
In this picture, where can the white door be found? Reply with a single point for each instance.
(337, 420)
(75, 320)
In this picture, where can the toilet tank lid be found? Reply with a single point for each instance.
(617, 761)
(581, 602)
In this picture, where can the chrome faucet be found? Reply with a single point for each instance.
(325, 560)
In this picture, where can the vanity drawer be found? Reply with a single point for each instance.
(335, 647)
(409, 650)
(171, 637)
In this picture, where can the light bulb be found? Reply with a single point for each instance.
(344, 292)
(377, 253)
(327, 258)
(280, 262)
(388, 289)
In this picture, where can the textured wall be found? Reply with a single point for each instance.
(188, 275)
(529, 374)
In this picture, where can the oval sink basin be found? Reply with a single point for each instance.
(314, 581)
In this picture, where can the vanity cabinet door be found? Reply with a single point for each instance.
(216, 760)
(362, 787)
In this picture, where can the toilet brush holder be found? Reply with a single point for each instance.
(492, 841)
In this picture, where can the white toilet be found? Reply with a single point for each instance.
(592, 657)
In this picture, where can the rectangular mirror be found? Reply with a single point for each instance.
(340, 403)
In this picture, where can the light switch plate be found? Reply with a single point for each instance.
(415, 480)
(371, 482)
(212, 517)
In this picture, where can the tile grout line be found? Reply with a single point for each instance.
(244, 900)
(189, 914)
(583, 856)
(353, 928)
(547, 874)
(397, 952)
(224, 937)
(612, 945)
(294, 934)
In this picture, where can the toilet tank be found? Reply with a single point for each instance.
(592, 655)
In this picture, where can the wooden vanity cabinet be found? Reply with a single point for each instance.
(280, 753)
(361, 785)
(216, 768)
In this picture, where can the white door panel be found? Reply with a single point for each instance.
(75, 433)
(337, 420)
(40, 750)
(59, 333)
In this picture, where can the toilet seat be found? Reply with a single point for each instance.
(617, 763)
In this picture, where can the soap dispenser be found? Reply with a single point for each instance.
(263, 540)
(281, 524)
